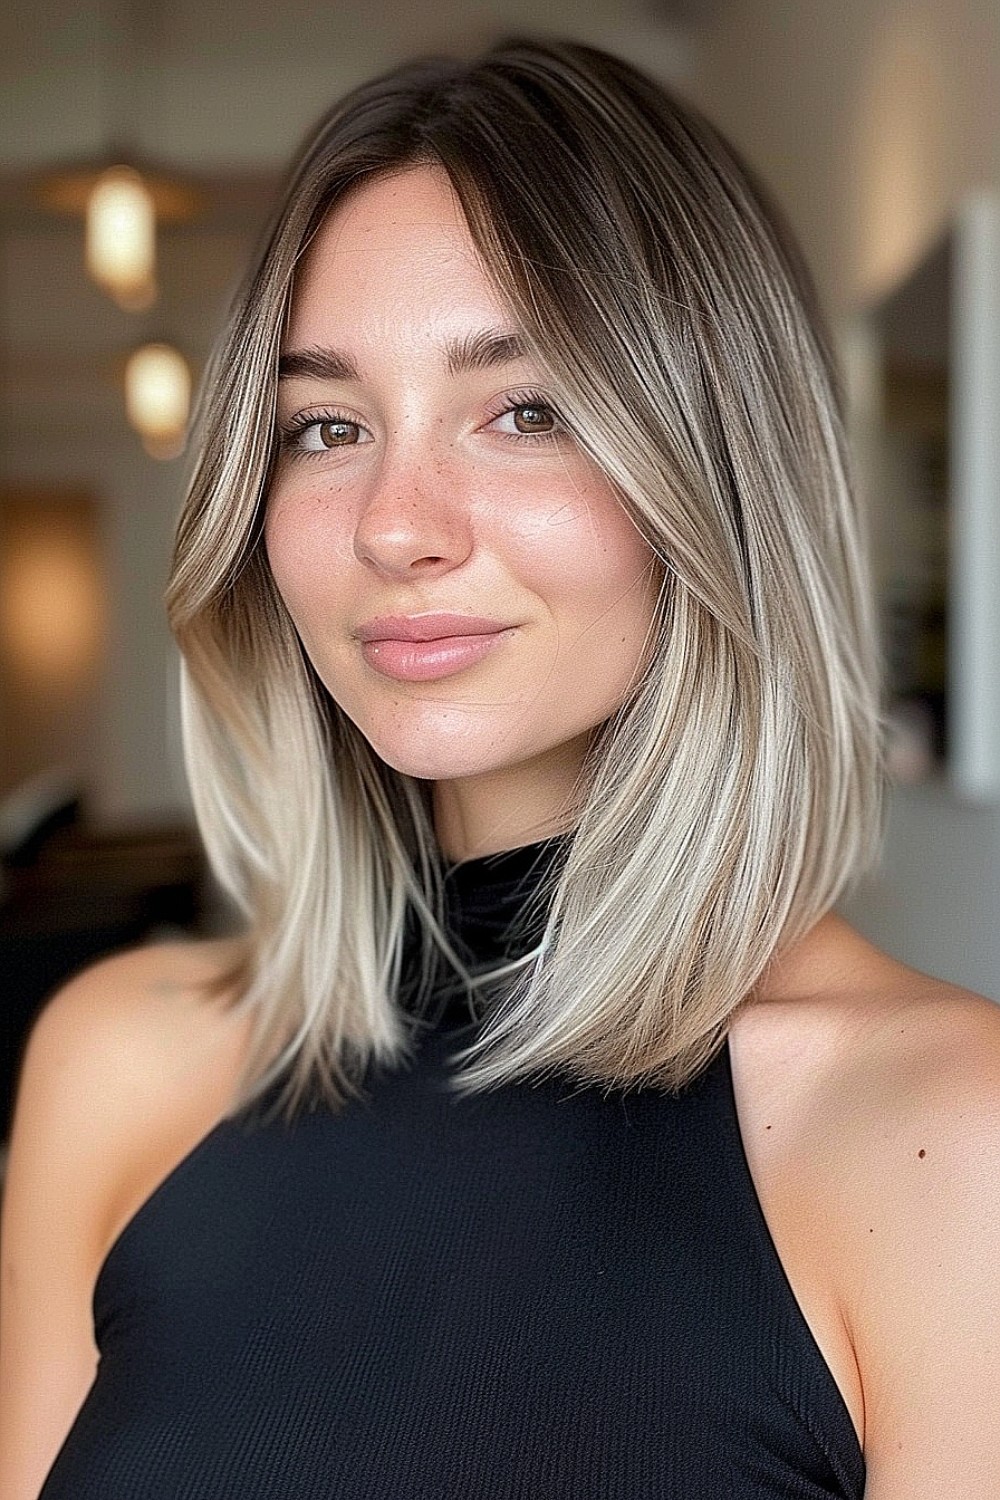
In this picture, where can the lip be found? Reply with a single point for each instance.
(421, 661)
(428, 627)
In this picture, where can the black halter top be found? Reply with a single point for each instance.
(541, 1292)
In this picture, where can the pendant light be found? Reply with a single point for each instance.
(121, 195)
(158, 398)
(121, 237)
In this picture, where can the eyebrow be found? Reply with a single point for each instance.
(473, 351)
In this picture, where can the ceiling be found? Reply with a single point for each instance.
(221, 94)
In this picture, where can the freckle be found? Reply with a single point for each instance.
(921, 1152)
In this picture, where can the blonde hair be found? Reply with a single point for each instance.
(737, 791)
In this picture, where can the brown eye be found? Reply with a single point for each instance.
(533, 419)
(304, 437)
(337, 434)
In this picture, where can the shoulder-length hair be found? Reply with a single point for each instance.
(737, 792)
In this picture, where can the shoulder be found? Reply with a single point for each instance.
(125, 1065)
(124, 1060)
(131, 981)
(892, 1087)
(922, 1160)
(126, 1017)
(868, 1031)
(914, 1101)
(883, 1070)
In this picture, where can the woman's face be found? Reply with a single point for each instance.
(422, 471)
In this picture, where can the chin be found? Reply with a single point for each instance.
(438, 768)
(438, 758)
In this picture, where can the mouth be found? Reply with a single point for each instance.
(434, 625)
(422, 661)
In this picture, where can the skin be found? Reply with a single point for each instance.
(437, 501)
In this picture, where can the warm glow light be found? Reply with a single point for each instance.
(51, 609)
(158, 398)
(121, 238)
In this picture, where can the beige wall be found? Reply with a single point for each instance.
(53, 601)
(872, 119)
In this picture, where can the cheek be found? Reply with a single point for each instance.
(602, 580)
(581, 548)
(300, 544)
(282, 548)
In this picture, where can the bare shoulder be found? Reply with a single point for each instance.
(854, 1030)
(126, 1064)
(919, 1177)
(125, 1067)
(909, 1100)
(882, 1086)
(127, 1021)
(137, 996)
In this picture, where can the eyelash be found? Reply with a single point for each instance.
(291, 431)
(517, 401)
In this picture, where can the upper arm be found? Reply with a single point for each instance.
(116, 1081)
(926, 1316)
(57, 1171)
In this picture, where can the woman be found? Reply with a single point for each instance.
(545, 1133)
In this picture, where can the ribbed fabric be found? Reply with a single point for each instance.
(541, 1293)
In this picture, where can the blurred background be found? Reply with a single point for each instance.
(874, 121)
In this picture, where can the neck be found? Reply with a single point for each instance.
(832, 956)
(506, 808)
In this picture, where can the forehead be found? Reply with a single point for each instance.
(379, 210)
(401, 239)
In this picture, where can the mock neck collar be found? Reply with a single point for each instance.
(487, 916)
(485, 899)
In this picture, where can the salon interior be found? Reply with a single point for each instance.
(875, 123)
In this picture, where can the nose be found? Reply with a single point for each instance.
(417, 514)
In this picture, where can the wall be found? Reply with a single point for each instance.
(133, 753)
(872, 118)
(63, 420)
(236, 84)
